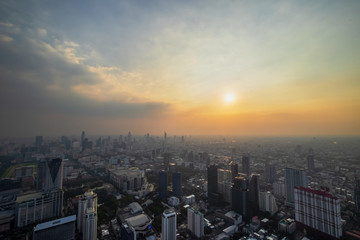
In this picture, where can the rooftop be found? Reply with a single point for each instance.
(55, 223)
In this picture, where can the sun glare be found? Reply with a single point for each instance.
(229, 98)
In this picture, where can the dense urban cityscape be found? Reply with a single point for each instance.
(180, 187)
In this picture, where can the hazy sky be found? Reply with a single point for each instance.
(109, 67)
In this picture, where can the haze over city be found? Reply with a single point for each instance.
(214, 67)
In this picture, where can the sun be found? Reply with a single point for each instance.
(229, 98)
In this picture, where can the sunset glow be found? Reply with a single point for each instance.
(283, 68)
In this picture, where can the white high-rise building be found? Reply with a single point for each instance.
(195, 222)
(90, 224)
(318, 210)
(267, 202)
(87, 212)
(168, 225)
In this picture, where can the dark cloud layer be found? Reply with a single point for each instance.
(37, 81)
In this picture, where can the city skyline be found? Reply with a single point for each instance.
(230, 68)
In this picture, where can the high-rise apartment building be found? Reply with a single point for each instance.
(163, 185)
(246, 165)
(38, 141)
(168, 225)
(195, 222)
(176, 184)
(90, 224)
(267, 202)
(318, 212)
(294, 178)
(87, 204)
(39, 206)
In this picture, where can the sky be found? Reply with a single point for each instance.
(185, 67)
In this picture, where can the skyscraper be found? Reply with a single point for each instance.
(212, 178)
(254, 195)
(240, 196)
(195, 222)
(54, 174)
(168, 225)
(270, 172)
(246, 164)
(310, 163)
(318, 212)
(90, 224)
(294, 178)
(163, 185)
(234, 170)
(176, 184)
(86, 201)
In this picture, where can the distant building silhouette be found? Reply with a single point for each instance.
(311, 163)
(270, 172)
(176, 184)
(163, 182)
(246, 165)
(234, 170)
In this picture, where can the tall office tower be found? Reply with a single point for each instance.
(246, 164)
(270, 172)
(90, 224)
(254, 194)
(212, 178)
(318, 212)
(163, 185)
(195, 222)
(168, 225)
(294, 178)
(176, 184)
(310, 163)
(86, 201)
(165, 136)
(267, 203)
(240, 197)
(58, 229)
(234, 170)
(38, 141)
(53, 174)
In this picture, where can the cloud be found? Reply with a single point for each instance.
(39, 81)
(42, 32)
(5, 38)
